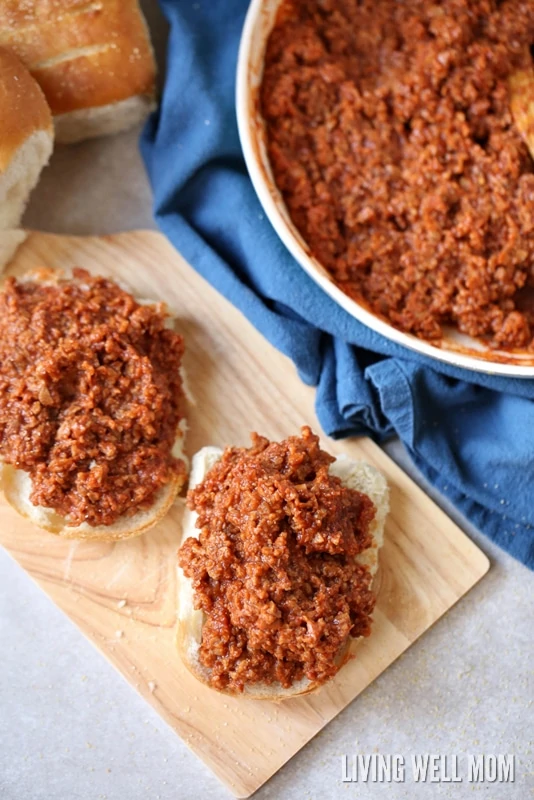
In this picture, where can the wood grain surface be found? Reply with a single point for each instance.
(122, 596)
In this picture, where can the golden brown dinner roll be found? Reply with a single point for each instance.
(26, 137)
(93, 60)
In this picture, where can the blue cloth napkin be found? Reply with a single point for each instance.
(471, 435)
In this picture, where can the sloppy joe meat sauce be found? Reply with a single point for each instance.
(390, 136)
(273, 569)
(90, 396)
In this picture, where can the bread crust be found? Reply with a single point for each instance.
(23, 107)
(84, 53)
(356, 475)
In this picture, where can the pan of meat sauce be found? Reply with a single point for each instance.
(396, 135)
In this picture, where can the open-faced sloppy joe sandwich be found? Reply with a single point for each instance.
(279, 551)
(398, 136)
(91, 406)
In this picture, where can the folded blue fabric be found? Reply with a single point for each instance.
(471, 435)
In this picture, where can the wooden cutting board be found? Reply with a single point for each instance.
(122, 596)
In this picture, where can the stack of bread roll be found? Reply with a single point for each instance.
(69, 70)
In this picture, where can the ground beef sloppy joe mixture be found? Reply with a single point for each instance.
(273, 569)
(391, 138)
(90, 396)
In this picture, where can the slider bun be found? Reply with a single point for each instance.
(26, 138)
(16, 484)
(93, 60)
(355, 475)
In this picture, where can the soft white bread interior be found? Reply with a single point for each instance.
(16, 484)
(356, 475)
(93, 60)
(26, 137)
(88, 123)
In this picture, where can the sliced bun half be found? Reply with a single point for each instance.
(17, 486)
(354, 474)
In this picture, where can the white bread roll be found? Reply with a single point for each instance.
(93, 60)
(355, 475)
(26, 140)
